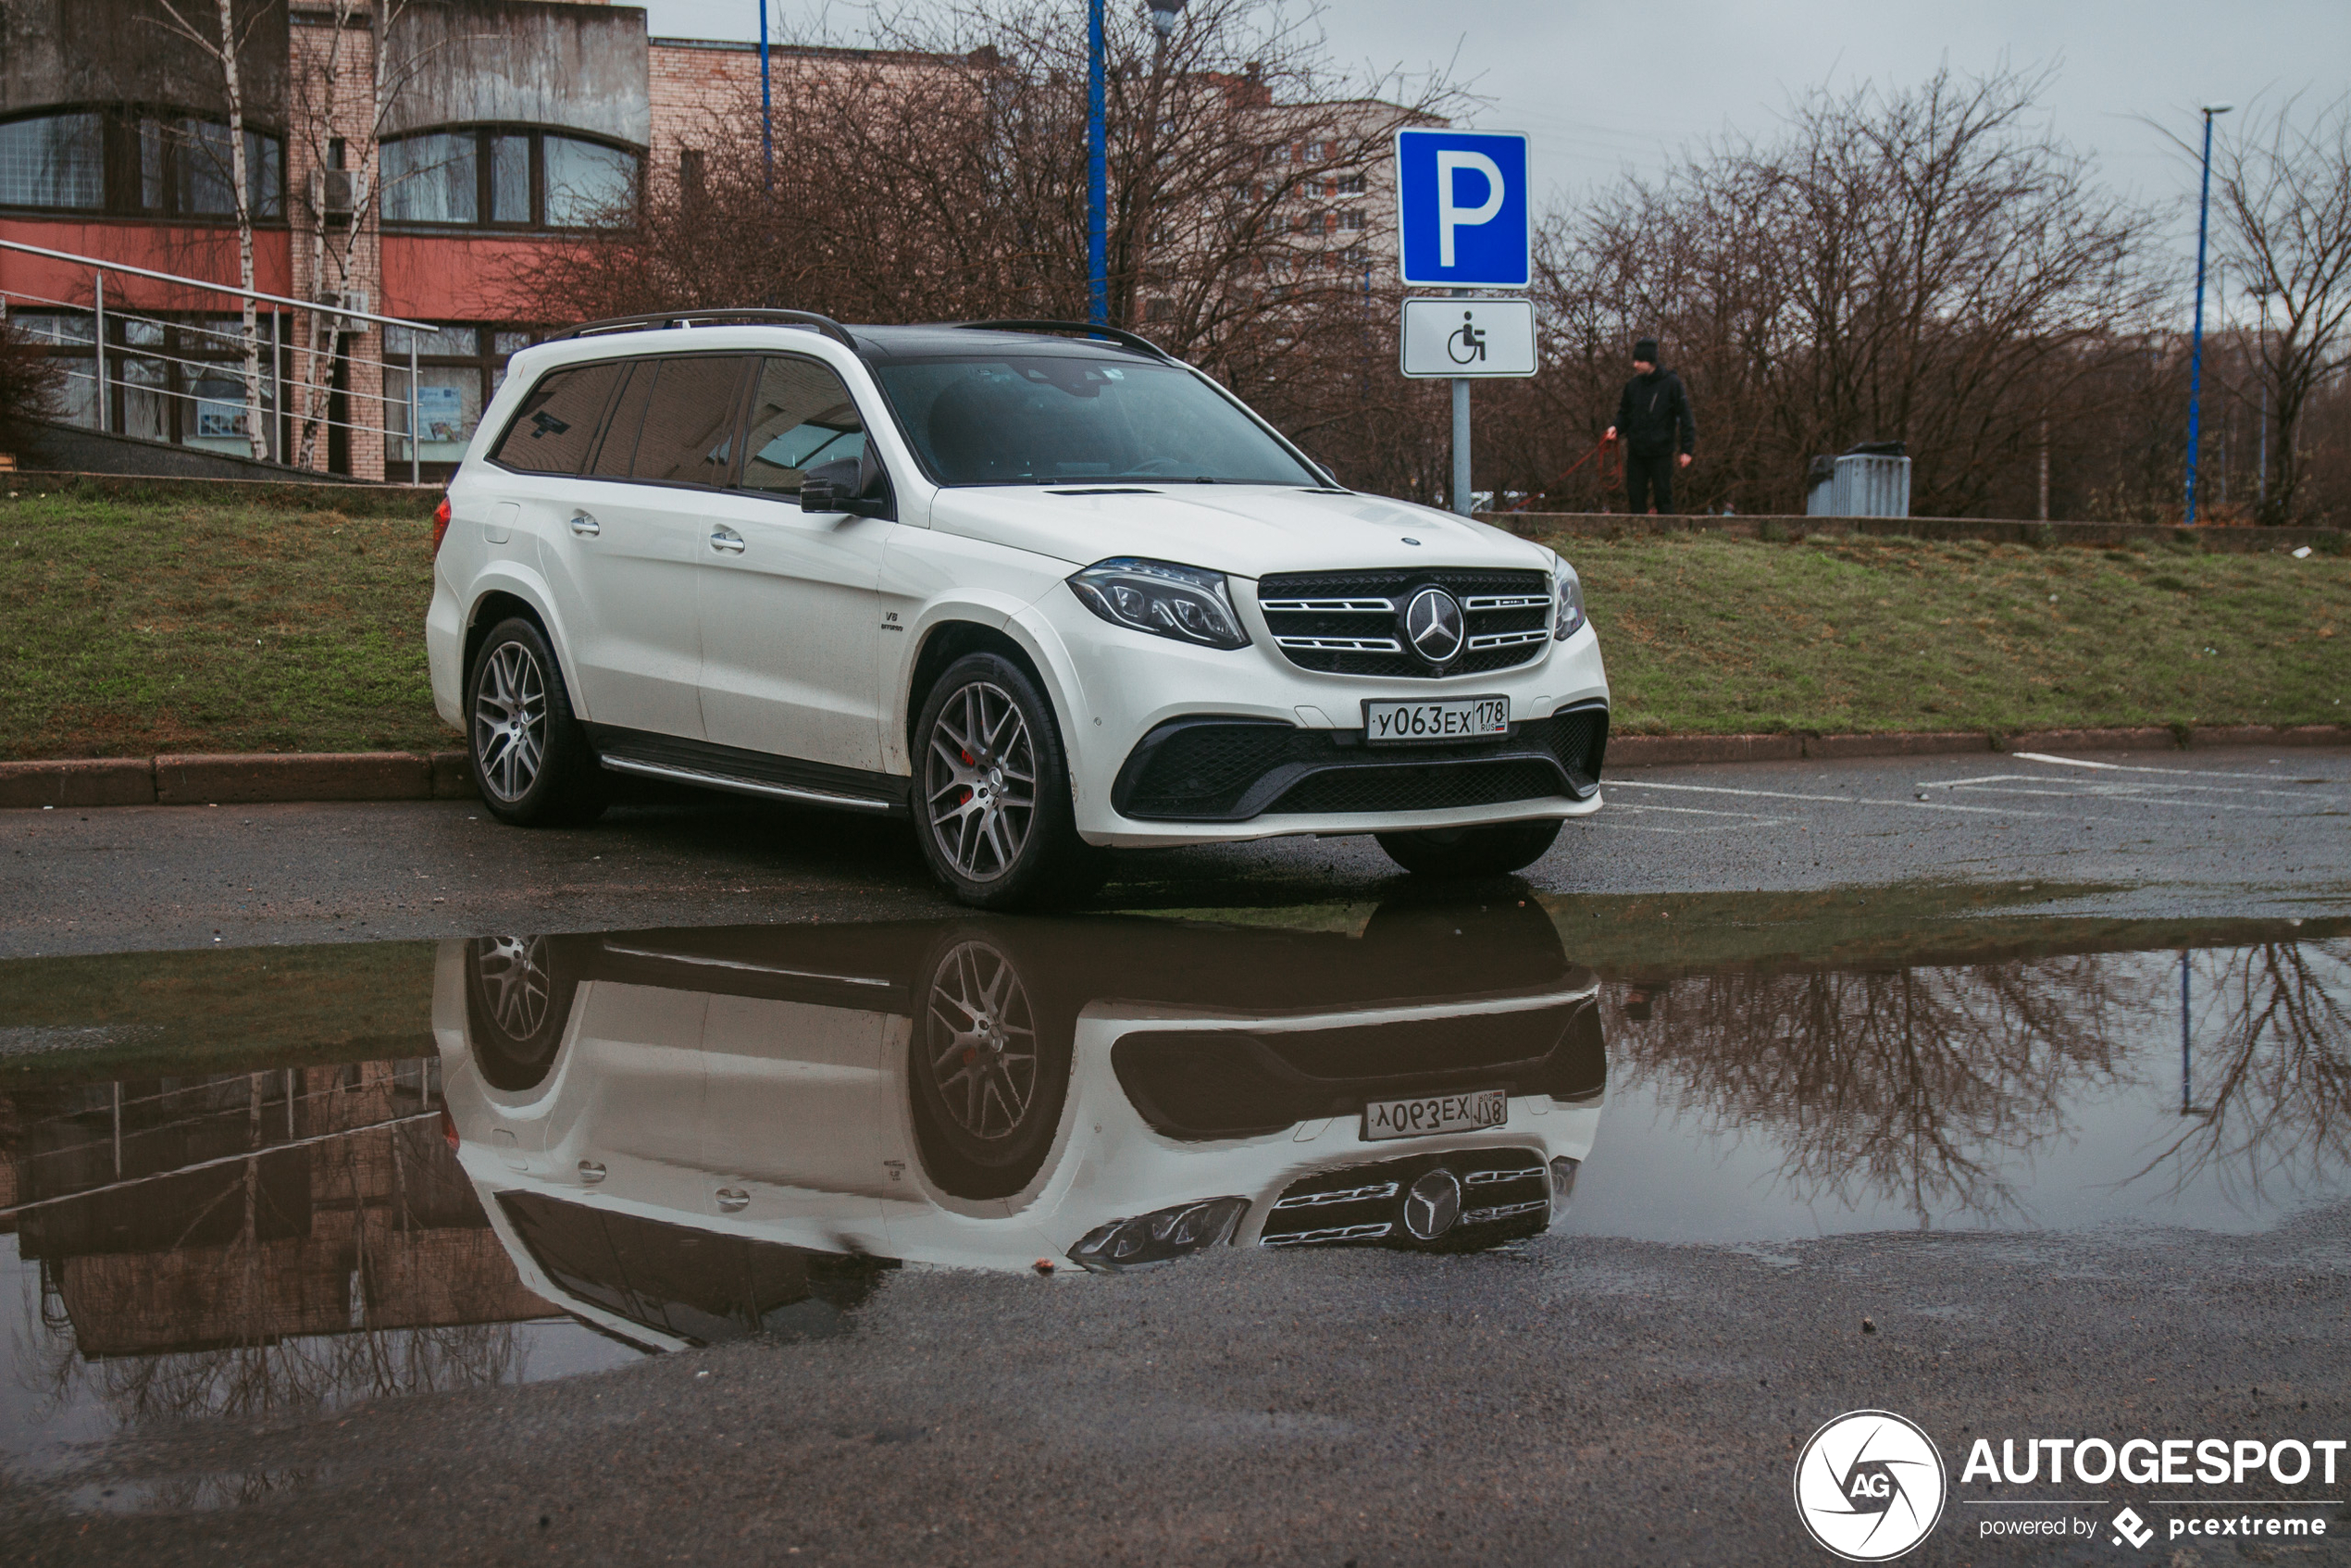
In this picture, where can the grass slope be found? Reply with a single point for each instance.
(129, 628)
(132, 626)
(1723, 635)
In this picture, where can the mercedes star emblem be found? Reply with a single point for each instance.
(1433, 1204)
(1433, 622)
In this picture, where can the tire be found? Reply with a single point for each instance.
(518, 993)
(531, 761)
(988, 1066)
(1493, 851)
(991, 792)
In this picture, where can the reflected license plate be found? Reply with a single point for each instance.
(1434, 1114)
(1456, 718)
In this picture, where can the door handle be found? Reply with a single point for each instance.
(584, 526)
(726, 539)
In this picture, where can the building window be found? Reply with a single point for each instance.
(176, 379)
(508, 177)
(136, 163)
(1351, 219)
(459, 368)
(1352, 185)
(52, 161)
(693, 173)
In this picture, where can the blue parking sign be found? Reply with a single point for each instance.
(1461, 208)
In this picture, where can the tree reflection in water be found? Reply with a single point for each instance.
(2265, 1070)
(1921, 1088)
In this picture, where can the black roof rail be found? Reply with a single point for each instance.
(1115, 334)
(750, 317)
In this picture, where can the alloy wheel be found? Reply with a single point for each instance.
(982, 1042)
(510, 720)
(980, 781)
(516, 983)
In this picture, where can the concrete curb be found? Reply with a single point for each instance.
(1656, 750)
(238, 779)
(253, 778)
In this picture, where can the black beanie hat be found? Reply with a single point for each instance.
(1645, 351)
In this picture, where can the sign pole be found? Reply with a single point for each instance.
(1462, 224)
(1460, 445)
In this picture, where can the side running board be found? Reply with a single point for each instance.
(745, 786)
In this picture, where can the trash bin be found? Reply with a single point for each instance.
(1869, 480)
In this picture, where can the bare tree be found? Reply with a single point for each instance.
(343, 104)
(2285, 189)
(220, 37)
(1928, 265)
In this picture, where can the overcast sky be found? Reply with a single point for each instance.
(1599, 87)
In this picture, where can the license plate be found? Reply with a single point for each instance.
(1435, 1114)
(1455, 719)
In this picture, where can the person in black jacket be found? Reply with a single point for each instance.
(1653, 418)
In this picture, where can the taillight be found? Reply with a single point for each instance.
(439, 523)
(448, 1122)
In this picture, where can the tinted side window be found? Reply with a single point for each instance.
(802, 416)
(558, 419)
(620, 447)
(688, 434)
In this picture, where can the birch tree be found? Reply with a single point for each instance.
(220, 38)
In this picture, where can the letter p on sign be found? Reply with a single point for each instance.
(1461, 208)
(1450, 214)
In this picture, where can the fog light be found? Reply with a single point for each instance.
(1563, 1183)
(1158, 1237)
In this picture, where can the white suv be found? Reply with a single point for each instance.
(1037, 585)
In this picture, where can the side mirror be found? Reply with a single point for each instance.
(849, 484)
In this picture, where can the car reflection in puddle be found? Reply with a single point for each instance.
(436, 1166)
(689, 1136)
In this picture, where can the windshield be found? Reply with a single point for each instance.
(1055, 419)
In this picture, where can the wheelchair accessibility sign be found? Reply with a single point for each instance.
(1469, 337)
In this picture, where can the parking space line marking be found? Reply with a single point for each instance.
(1830, 800)
(2119, 790)
(2131, 767)
(2126, 794)
(1701, 811)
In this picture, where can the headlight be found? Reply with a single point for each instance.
(1569, 592)
(1160, 1237)
(1160, 597)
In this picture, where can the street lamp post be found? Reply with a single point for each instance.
(767, 102)
(1163, 14)
(1097, 176)
(2195, 351)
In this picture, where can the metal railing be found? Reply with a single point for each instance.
(279, 381)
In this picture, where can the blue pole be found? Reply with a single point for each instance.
(766, 101)
(2195, 353)
(1097, 176)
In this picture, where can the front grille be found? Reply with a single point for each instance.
(1351, 623)
(1232, 769)
(1505, 1194)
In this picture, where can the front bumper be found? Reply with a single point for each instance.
(1121, 687)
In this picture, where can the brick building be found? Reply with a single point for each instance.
(420, 186)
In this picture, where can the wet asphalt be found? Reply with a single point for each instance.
(1578, 1399)
(2219, 832)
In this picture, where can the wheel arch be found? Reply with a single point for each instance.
(499, 601)
(950, 639)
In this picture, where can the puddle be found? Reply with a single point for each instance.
(257, 1187)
